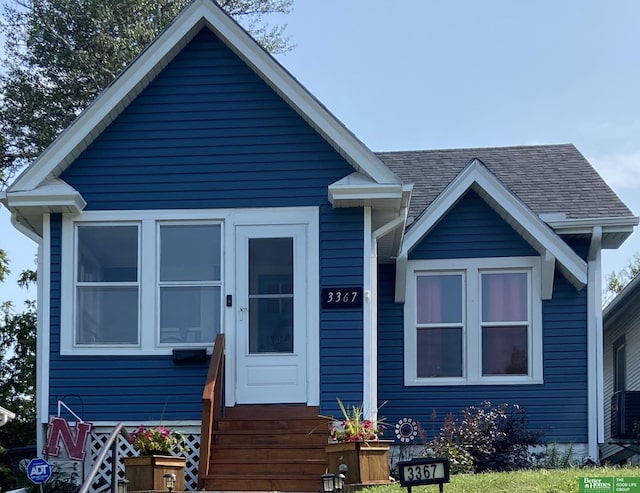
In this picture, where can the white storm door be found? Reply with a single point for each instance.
(271, 333)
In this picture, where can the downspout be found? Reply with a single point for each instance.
(370, 390)
(595, 353)
(44, 330)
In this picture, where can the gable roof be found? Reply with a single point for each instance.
(555, 182)
(547, 243)
(197, 15)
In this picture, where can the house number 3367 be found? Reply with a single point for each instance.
(336, 298)
(340, 297)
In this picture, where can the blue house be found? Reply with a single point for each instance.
(207, 196)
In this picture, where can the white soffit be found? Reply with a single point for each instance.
(358, 190)
(53, 196)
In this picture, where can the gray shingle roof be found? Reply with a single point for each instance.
(547, 178)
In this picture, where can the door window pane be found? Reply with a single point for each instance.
(271, 295)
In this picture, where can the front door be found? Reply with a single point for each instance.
(271, 332)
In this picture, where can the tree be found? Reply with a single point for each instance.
(59, 54)
(17, 372)
(616, 281)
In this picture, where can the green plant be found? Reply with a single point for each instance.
(553, 458)
(155, 440)
(354, 427)
(460, 459)
(496, 438)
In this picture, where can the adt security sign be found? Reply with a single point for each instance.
(39, 470)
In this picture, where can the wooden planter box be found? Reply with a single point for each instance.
(145, 473)
(367, 462)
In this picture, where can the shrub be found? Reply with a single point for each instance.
(494, 438)
(460, 460)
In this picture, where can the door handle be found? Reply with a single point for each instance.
(242, 310)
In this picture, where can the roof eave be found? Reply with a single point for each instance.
(28, 207)
(615, 230)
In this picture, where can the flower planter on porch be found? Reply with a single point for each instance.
(145, 473)
(367, 461)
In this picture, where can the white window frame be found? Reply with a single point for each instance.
(159, 283)
(77, 284)
(472, 327)
(148, 223)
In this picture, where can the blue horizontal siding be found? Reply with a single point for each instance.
(471, 229)
(558, 407)
(341, 336)
(208, 133)
(205, 132)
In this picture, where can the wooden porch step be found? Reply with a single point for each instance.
(271, 451)
(271, 411)
(256, 482)
(268, 448)
(312, 467)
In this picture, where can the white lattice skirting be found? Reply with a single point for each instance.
(100, 435)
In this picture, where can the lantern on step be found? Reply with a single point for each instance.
(123, 486)
(169, 481)
(332, 483)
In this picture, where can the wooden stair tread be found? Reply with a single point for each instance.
(245, 445)
(232, 475)
(271, 461)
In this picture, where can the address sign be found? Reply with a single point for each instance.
(341, 298)
(424, 471)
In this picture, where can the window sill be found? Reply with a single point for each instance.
(130, 351)
(459, 382)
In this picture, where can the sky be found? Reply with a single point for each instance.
(439, 74)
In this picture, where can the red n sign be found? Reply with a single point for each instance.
(59, 431)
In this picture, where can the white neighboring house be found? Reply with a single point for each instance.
(621, 344)
(6, 416)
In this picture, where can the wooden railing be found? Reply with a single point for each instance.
(211, 406)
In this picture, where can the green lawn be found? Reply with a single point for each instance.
(536, 481)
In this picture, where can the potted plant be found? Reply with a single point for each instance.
(355, 443)
(156, 446)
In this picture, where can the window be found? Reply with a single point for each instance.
(107, 285)
(505, 323)
(477, 324)
(189, 283)
(171, 268)
(439, 325)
